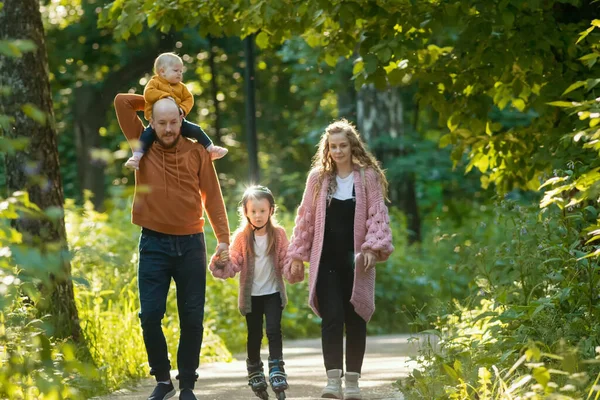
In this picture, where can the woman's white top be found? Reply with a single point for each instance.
(344, 187)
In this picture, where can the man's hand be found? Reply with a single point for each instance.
(370, 260)
(222, 251)
(297, 267)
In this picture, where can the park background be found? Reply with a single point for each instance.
(483, 113)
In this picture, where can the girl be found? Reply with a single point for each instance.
(258, 251)
(342, 230)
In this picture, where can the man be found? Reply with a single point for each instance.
(174, 184)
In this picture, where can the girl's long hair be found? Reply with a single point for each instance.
(361, 157)
(246, 229)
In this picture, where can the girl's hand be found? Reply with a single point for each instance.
(370, 260)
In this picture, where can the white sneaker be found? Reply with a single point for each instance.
(333, 390)
(351, 389)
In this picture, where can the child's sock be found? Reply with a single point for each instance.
(134, 160)
(216, 152)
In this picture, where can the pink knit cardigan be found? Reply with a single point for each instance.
(241, 261)
(371, 233)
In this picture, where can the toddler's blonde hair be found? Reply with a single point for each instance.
(166, 60)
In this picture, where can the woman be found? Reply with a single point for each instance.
(342, 230)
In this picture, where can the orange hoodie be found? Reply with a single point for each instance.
(172, 186)
(159, 88)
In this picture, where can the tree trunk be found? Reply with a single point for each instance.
(381, 114)
(251, 109)
(89, 116)
(36, 168)
(215, 89)
(346, 93)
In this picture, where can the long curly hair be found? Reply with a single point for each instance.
(361, 157)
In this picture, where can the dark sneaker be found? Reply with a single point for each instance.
(163, 391)
(187, 394)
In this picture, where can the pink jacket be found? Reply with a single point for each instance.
(240, 261)
(371, 233)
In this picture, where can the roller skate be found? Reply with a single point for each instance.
(256, 379)
(277, 378)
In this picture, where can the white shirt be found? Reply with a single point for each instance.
(344, 187)
(264, 281)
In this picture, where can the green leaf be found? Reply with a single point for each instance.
(457, 366)
(34, 113)
(384, 55)
(519, 104)
(533, 353)
(152, 20)
(331, 59)
(358, 67)
(508, 18)
(450, 371)
(584, 34)
(451, 125)
(16, 48)
(483, 164)
(574, 86)
(541, 375)
(370, 63)
(565, 104)
(312, 39)
(262, 40)
(54, 213)
(488, 129)
(590, 56)
(445, 140)
(592, 211)
(591, 83)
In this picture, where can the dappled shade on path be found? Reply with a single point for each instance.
(387, 360)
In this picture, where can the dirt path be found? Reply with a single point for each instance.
(386, 361)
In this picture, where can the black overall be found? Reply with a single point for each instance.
(334, 289)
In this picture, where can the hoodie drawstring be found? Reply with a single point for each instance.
(164, 168)
(177, 166)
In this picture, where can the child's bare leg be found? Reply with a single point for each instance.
(126, 106)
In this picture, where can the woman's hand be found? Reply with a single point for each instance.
(370, 260)
(297, 267)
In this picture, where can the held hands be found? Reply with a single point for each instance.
(222, 251)
(370, 260)
(297, 267)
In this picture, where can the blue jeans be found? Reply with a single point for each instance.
(183, 258)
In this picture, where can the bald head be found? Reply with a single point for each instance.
(163, 106)
(166, 122)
